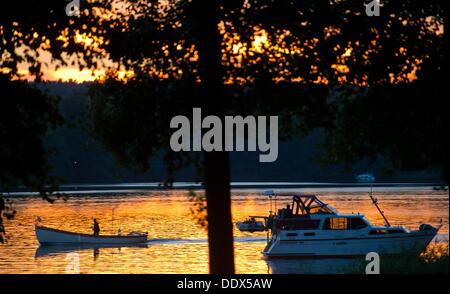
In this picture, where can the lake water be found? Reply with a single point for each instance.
(178, 244)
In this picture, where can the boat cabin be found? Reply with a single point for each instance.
(307, 212)
(322, 222)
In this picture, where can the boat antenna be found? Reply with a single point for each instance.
(270, 193)
(375, 202)
(271, 210)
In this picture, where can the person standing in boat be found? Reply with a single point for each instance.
(286, 212)
(96, 227)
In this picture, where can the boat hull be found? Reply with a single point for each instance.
(414, 242)
(257, 227)
(48, 236)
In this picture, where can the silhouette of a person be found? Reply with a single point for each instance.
(96, 227)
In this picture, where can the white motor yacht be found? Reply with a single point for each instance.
(311, 228)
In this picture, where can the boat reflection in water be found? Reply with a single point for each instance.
(56, 249)
(316, 265)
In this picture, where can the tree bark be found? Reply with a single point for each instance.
(220, 228)
(213, 101)
(446, 67)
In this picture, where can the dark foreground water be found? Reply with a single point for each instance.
(178, 244)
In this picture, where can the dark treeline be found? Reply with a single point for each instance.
(77, 157)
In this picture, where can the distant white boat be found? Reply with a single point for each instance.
(441, 188)
(49, 236)
(365, 178)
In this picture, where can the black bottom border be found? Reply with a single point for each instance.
(148, 283)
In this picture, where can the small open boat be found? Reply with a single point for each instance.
(251, 225)
(49, 236)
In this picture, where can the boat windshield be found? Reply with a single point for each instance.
(310, 204)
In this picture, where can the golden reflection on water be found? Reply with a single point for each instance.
(178, 244)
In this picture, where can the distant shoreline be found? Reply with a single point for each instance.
(74, 189)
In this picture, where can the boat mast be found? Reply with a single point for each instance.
(375, 202)
(112, 220)
(271, 194)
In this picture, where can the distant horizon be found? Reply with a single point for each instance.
(300, 187)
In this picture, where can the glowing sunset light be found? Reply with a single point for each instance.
(236, 52)
(260, 41)
(74, 74)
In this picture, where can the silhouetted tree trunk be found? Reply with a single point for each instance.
(214, 101)
(220, 231)
(446, 73)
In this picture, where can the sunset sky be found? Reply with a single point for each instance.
(72, 72)
(232, 44)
